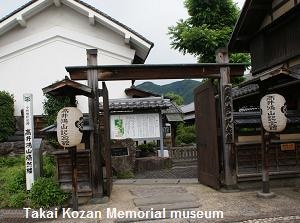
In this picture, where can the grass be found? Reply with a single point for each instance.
(13, 193)
(12, 182)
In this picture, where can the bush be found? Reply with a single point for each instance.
(12, 182)
(48, 167)
(46, 193)
(185, 134)
(148, 147)
(17, 180)
(127, 174)
(52, 105)
(7, 119)
(11, 161)
(17, 200)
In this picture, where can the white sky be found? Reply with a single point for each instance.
(150, 18)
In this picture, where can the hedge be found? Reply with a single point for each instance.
(7, 119)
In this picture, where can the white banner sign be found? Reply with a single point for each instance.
(135, 126)
(28, 138)
(273, 112)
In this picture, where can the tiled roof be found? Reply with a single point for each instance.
(138, 104)
(173, 109)
(248, 89)
(188, 108)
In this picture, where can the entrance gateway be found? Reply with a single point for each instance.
(209, 144)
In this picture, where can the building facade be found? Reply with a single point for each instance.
(38, 40)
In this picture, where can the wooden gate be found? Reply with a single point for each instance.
(206, 130)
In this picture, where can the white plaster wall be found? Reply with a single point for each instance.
(30, 69)
(63, 17)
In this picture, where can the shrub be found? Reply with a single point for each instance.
(17, 180)
(52, 105)
(148, 147)
(185, 134)
(48, 167)
(7, 120)
(12, 182)
(11, 161)
(127, 174)
(17, 200)
(46, 193)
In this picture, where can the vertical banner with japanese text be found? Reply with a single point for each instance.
(28, 138)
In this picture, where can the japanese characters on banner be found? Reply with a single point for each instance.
(273, 112)
(69, 127)
(28, 138)
(135, 126)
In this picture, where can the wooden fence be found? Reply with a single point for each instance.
(183, 154)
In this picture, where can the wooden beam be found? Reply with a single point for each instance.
(95, 147)
(21, 21)
(92, 18)
(127, 38)
(146, 72)
(106, 139)
(57, 3)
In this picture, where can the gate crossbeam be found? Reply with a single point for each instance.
(155, 71)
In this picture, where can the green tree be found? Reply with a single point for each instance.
(185, 134)
(208, 28)
(52, 105)
(7, 119)
(178, 99)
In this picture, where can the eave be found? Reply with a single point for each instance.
(20, 16)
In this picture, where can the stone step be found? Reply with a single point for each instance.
(19, 133)
(184, 163)
(15, 138)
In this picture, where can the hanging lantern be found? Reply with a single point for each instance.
(273, 112)
(69, 126)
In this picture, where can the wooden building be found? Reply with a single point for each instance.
(270, 32)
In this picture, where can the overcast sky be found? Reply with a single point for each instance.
(151, 18)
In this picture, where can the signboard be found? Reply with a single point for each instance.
(69, 127)
(135, 126)
(287, 146)
(119, 152)
(28, 139)
(273, 112)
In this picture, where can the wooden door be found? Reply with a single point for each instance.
(207, 141)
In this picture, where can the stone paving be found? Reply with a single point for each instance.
(237, 207)
(174, 172)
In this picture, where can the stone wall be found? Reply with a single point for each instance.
(152, 163)
(16, 148)
(121, 164)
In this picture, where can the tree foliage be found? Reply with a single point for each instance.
(208, 28)
(178, 99)
(185, 134)
(7, 120)
(52, 105)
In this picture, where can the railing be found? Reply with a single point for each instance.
(185, 153)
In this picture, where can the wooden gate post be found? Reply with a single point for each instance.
(96, 155)
(230, 180)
